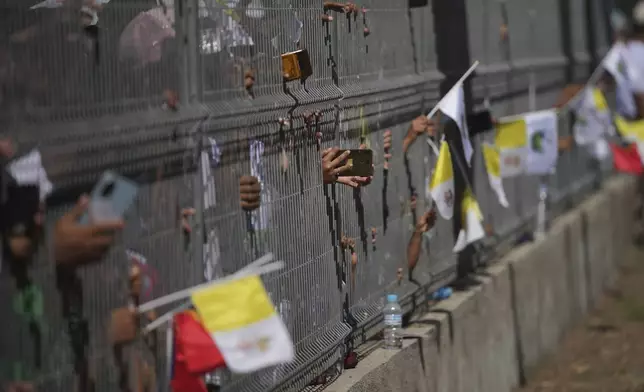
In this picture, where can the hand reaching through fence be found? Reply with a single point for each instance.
(424, 224)
(568, 93)
(333, 164)
(6, 149)
(565, 143)
(76, 244)
(419, 126)
(387, 146)
(20, 387)
(186, 214)
(249, 192)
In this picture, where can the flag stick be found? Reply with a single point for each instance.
(185, 293)
(461, 80)
(254, 266)
(594, 78)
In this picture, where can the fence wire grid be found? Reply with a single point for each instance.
(101, 98)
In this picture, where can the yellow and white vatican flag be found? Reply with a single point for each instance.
(492, 158)
(472, 226)
(441, 186)
(632, 131)
(242, 321)
(528, 144)
(593, 118)
(511, 141)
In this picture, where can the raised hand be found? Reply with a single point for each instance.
(332, 166)
(249, 192)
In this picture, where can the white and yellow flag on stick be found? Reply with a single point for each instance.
(511, 141)
(632, 131)
(529, 143)
(441, 186)
(243, 323)
(472, 222)
(492, 158)
(593, 118)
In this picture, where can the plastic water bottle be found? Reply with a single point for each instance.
(393, 323)
(442, 293)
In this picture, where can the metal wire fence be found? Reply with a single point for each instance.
(90, 105)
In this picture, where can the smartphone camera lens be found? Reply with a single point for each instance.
(108, 190)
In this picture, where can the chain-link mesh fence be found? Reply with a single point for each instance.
(97, 100)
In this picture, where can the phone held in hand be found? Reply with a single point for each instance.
(19, 213)
(360, 162)
(110, 199)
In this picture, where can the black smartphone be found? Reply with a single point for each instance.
(360, 162)
(480, 122)
(19, 211)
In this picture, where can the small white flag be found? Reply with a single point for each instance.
(453, 106)
(617, 64)
(593, 119)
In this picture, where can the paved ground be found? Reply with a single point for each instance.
(605, 353)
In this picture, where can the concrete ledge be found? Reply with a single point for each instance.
(492, 337)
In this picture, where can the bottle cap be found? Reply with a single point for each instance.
(392, 298)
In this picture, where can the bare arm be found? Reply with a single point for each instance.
(425, 223)
(413, 249)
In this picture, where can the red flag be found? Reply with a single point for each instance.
(197, 347)
(183, 380)
(627, 159)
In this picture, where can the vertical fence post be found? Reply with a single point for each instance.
(566, 38)
(589, 29)
(606, 9)
(453, 59)
(188, 38)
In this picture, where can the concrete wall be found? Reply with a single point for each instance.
(492, 337)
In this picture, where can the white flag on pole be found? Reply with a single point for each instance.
(453, 106)
(593, 119)
(616, 63)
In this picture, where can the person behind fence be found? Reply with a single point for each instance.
(73, 244)
(334, 164)
(425, 224)
(627, 23)
(419, 126)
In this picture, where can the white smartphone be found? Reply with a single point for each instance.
(110, 199)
